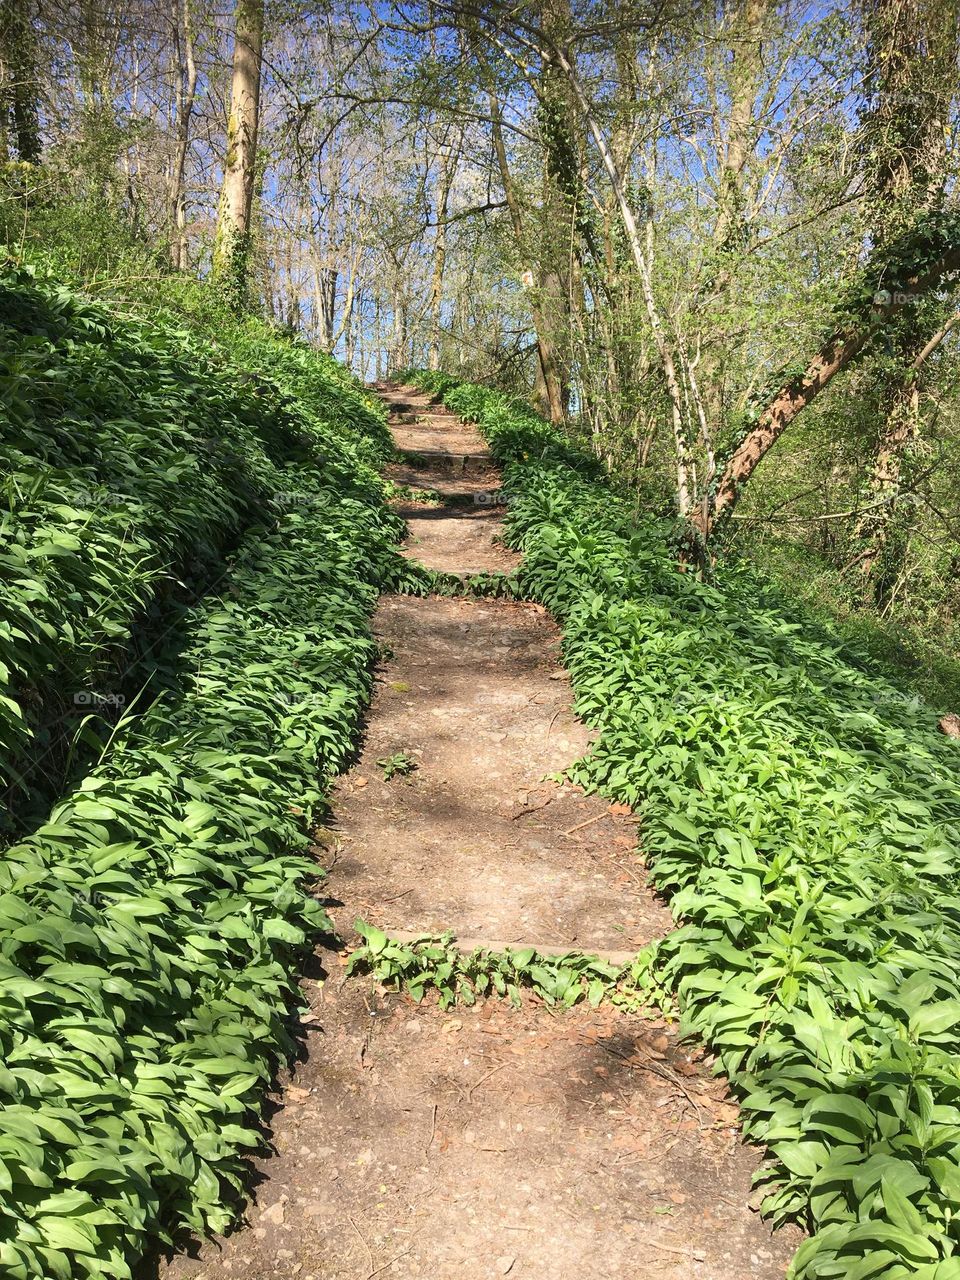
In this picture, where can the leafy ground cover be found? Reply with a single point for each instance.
(803, 814)
(152, 929)
(133, 452)
(434, 962)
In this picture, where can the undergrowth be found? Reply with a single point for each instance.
(152, 929)
(435, 963)
(133, 458)
(923, 666)
(804, 815)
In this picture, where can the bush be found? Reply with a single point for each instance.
(133, 455)
(152, 929)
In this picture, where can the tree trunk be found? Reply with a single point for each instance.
(914, 51)
(842, 347)
(231, 254)
(877, 521)
(560, 233)
(744, 81)
(444, 183)
(684, 461)
(18, 43)
(186, 96)
(879, 561)
(547, 392)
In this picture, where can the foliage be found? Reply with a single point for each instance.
(131, 455)
(922, 665)
(417, 580)
(804, 815)
(398, 765)
(151, 929)
(434, 963)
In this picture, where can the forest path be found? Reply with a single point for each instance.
(487, 1141)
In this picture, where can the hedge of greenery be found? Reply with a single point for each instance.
(804, 816)
(151, 931)
(130, 451)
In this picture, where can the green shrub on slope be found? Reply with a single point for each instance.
(805, 817)
(131, 452)
(151, 931)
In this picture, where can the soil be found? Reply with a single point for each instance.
(415, 1142)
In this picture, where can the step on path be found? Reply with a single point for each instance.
(486, 1141)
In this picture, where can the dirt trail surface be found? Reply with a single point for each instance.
(487, 1142)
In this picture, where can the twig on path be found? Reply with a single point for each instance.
(620, 867)
(362, 1241)
(580, 825)
(396, 1258)
(669, 1248)
(556, 717)
(433, 1129)
(397, 896)
(477, 1083)
(655, 1070)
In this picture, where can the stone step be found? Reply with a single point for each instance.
(446, 462)
(428, 417)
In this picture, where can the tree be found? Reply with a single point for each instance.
(19, 87)
(231, 253)
(182, 22)
(914, 47)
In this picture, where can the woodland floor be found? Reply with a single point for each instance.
(489, 1141)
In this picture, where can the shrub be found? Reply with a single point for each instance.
(134, 455)
(152, 929)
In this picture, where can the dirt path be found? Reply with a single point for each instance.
(487, 1142)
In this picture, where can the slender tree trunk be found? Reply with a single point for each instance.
(325, 278)
(378, 336)
(186, 96)
(444, 183)
(548, 393)
(744, 40)
(745, 78)
(901, 428)
(350, 300)
(914, 50)
(561, 222)
(347, 329)
(684, 461)
(21, 90)
(231, 254)
(875, 524)
(325, 297)
(835, 355)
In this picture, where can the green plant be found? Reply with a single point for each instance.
(405, 491)
(435, 963)
(133, 456)
(152, 928)
(415, 579)
(804, 816)
(397, 765)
